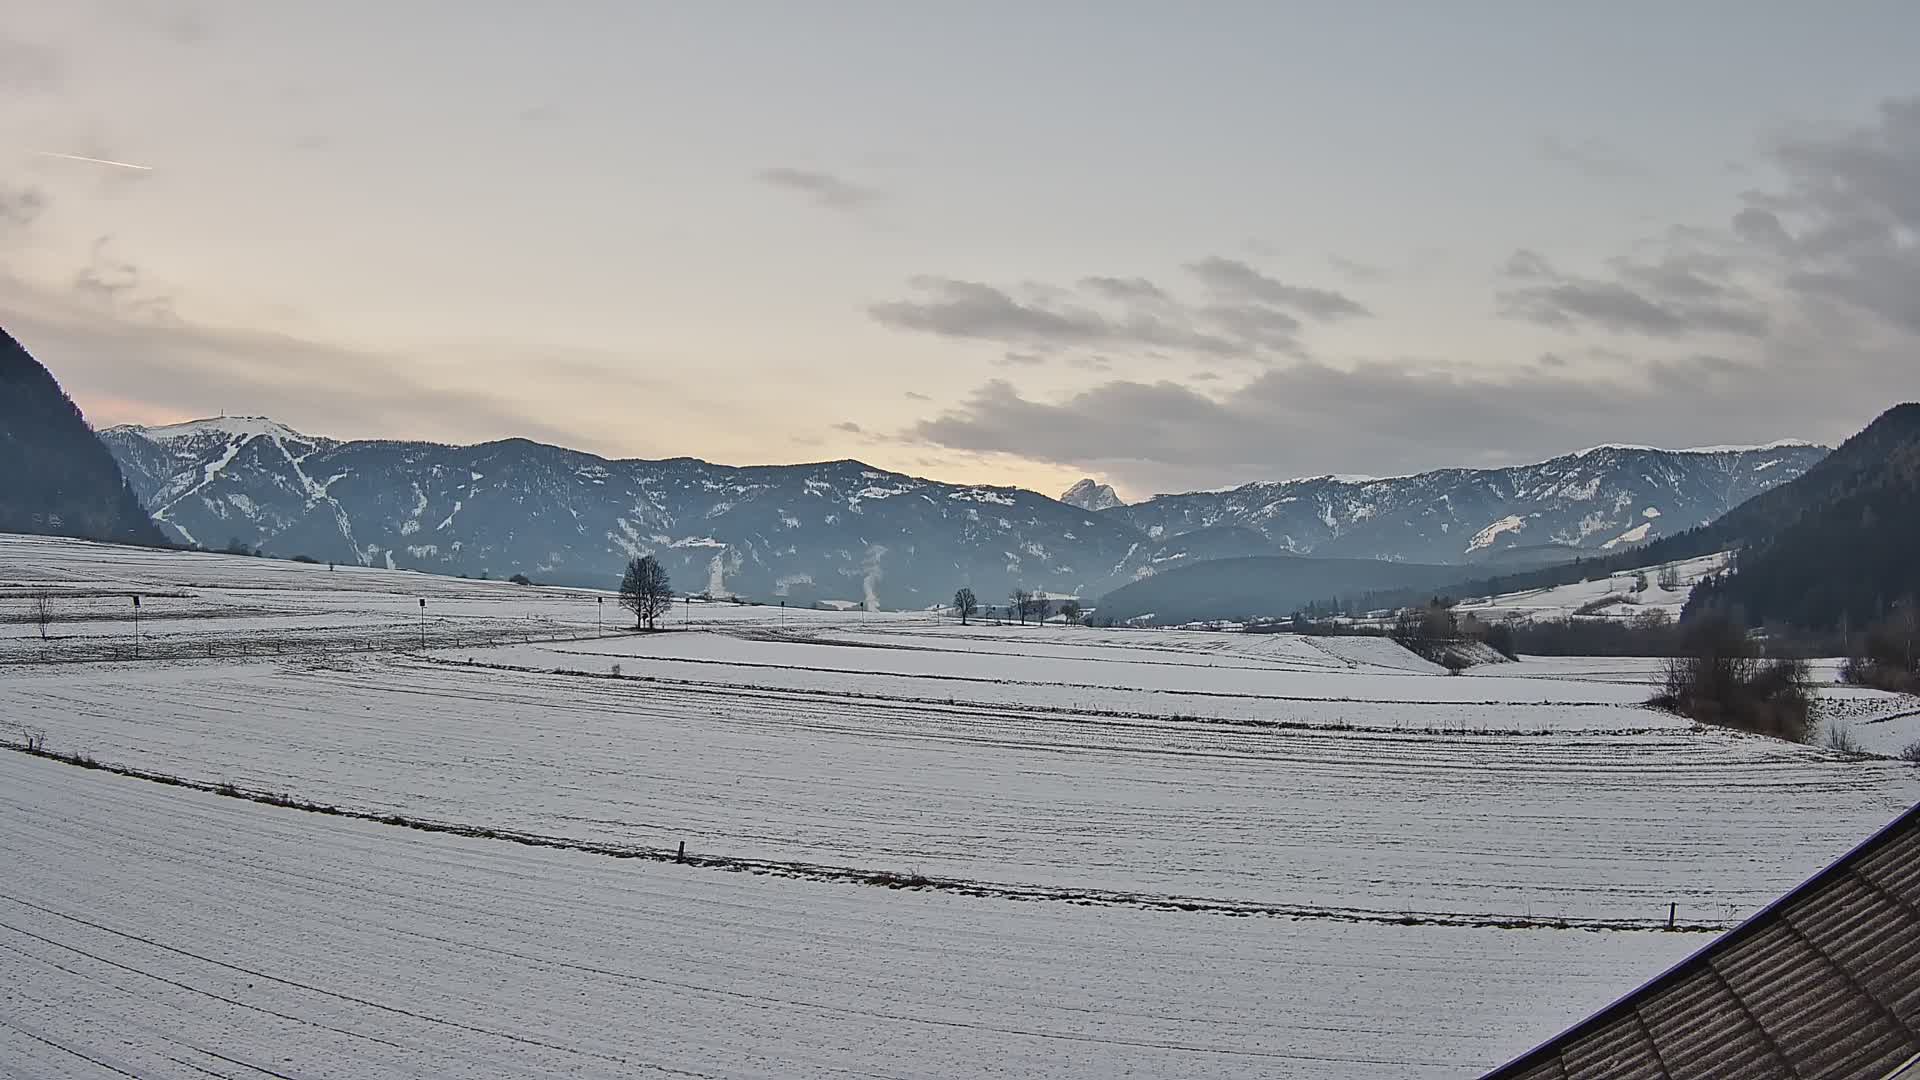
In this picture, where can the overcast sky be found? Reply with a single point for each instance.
(1168, 245)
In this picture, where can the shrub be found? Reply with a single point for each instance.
(1595, 607)
(520, 579)
(1911, 753)
(1719, 678)
(306, 559)
(1840, 737)
(1887, 656)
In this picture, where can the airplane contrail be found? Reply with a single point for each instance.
(94, 160)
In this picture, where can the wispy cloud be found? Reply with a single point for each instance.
(822, 189)
(1589, 157)
(1244, 314)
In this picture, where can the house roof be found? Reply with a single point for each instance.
(1825, 982)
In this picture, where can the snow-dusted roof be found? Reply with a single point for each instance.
(1824, 982)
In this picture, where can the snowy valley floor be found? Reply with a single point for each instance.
(1147, 853)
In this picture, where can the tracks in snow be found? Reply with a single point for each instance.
(890, 879)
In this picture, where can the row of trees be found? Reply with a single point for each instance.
(1022, 604)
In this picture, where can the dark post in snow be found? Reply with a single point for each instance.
(599, 615)
(136, 626)
(423, 623)
(1673, 909)
(682, 856)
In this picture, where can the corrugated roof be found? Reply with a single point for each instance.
(1823, 983)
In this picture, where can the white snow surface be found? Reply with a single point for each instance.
(1567, 601)
(170, 933)
(1163, 853)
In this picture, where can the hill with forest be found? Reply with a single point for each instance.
(56, 478)
(1241, 589)
(1838, 547)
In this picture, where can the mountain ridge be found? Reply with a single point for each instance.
(838, 530)
(1602, 497)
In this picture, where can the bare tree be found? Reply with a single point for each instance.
(1070, 610)
(966, 604)
(1669, 579)
(645, 591)
(1041, 606)
(1020, 602)
(42, 612)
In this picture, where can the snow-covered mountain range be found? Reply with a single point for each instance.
(1601, 498)
(845, 531)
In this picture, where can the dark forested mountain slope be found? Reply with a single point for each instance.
(55, 476)
(1842, 544)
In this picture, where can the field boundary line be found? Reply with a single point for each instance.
(891, 879)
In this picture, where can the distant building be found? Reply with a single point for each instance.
(1823, 983)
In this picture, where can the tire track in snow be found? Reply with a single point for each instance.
(893, 879)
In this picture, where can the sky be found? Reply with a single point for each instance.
(1169, 246)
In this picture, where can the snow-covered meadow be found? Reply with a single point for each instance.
(1170, 852)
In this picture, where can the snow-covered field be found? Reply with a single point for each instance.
(1170, 853)
(1617, 596)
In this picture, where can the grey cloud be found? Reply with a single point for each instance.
(1248, 316)
(1674, 297)
(1847, 221)
(1232, 277)
(20, 206)
(1114, 288)
(1267, 327)
(915, 395)
(1761, 228)
(971, 310)
(119, 288)
(822, 189)
(850, 428)
(1019, 359)
(1308, 418)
